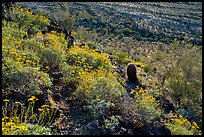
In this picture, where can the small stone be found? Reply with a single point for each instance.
(93, 124)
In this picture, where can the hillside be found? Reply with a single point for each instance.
(48, 88)
(149, 21)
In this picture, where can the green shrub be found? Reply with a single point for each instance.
(179, 125)
(121, 57)
(29, 22)
(51, 57)
(69, 74)
(37, 130)
(185, 83)
(140, 111)
(112, 123)
(27, 80)
(99, 108)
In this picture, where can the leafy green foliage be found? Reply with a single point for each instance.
(185, 82)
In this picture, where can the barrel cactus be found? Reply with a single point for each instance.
(131, 72)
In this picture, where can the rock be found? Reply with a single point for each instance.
(160, 129)
(130, 132)
(145, 130)
(77, 131)
(123, 130)
(62, 123)
(93, 125)
(18, 96)
(57, 96)
(167, 106)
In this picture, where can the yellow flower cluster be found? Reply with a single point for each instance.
(6, 100)
(54, 40)
(9, 127)
(180, 120)
(20, 57)
(144, 95)
(140, 63)
(88, 58)
(24, 11)
(32, 99)
(183, 122)
(14, 122)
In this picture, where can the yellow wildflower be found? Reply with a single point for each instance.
(27, 61)
(13, 52)
(30, 99)
(10, 124)
(180, 116)
(18, 103)
(33, 97)
(195, 125)
(5, 129)
(6, 100)
(23, 128)
(44, 106)
(17, 127)
(40, 109)
(18, 59)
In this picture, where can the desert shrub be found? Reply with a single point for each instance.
(140, 111)
(147, 105)
(91, 45)
(31, 45)
(28, 21)
(69, 74)
(27, 80)
(37, 130)
(99, 108)
(185, 83)
(100, 90)
(95, 80)
(56, 40)
(121, 57)
(96, 85)
(10, 30)
(101, 95)
(88, 59)
(112, 123)
(50, 57)
(179, 125)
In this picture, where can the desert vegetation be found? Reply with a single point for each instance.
(50, 89)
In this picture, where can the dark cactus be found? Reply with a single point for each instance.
(132, 73)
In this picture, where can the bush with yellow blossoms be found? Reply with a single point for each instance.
(179, 125)
(87, 58)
